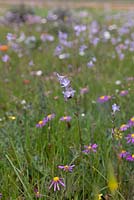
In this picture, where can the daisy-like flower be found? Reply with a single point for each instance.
(41, 123)
(37, 194)
(123, 154)
(130, 157)
(66, 118)
(123, 93)
(90, 148)
(67, 168)
(131, 122)
(124, 127)
(49, 117)
(103, 99)
(115, 108)
(45, 120)
(56, 182)
(130, 138)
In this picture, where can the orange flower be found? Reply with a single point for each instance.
(26, 81)
(3, 47)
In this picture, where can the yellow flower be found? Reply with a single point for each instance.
(12, 117)
(100, 196)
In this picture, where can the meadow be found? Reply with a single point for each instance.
(66, 104)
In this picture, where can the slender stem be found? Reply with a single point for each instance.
(79, 131)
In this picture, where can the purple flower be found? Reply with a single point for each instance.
(37, 194)
(90, 64)
(90, 148)
(66, 118)
(124, 127)
(103, 99)
(123, 93)
(45, 120)
(31, 63)
(56, 182)
(80, 28)
(68, 93)
(115, 108)
(58, 50)
(123, 154)
(130, 138)
(131, 122)
(121, 56)
(62, 36)
(49, 117)
(5, 58)
(46, 37)
(82, 49)
(94, 41)
(67, 168)
(65, 82)
(10, 37)
(94, 27)
(130, 157)
(41, 123)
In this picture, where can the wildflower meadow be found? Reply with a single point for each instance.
(66, 104)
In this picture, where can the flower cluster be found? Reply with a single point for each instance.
(66, 84)
(56, 181)
(45, 120)
(129, 139)
(103, 99)
(126, 155)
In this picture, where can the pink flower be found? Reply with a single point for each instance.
(56, 182)
(84, 90)
(90, 148)
(67, 168)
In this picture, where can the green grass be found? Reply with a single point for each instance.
(29, 155)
